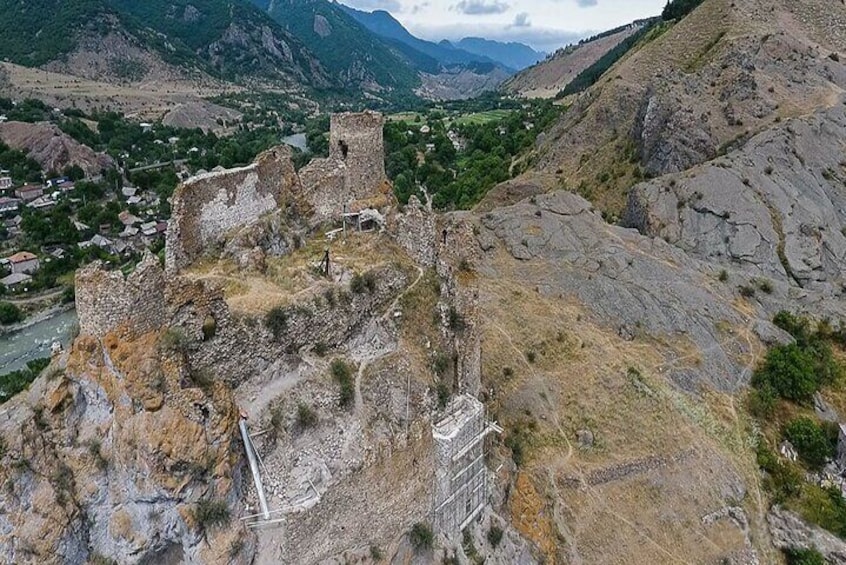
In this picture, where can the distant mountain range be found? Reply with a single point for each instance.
(511, 56)
(310, 45)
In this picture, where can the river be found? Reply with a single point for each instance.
(297, 140)
(17, 348)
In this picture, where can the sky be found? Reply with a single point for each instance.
(543, 24)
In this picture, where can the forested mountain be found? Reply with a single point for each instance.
(128, 39)
(352, 55)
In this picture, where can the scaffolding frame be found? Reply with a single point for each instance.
(460, 490)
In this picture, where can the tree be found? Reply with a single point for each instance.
(10, 314)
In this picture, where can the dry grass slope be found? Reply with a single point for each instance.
(726, 71)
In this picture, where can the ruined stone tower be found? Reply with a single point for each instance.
(356, 139)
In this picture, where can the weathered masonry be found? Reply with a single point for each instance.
(461, 476)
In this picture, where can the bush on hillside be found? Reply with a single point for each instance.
(789, 371)
(811, 441)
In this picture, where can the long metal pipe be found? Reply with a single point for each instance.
(251, 457)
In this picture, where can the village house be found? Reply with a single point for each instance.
(23, 262)
(15, 279)
(42, 202)
(29, 192)
(9, 204)
(13, 226)
(5, 182)
(128, 219)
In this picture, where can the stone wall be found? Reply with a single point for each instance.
(207, 207)
(354, 172)
(107, 301)
(458, 252)
(324, 183)
(356, 139)
(415, 232)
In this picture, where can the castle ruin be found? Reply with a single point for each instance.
(430, 469)
(353, 177)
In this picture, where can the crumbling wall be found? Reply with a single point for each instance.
(107, 301)
(207, 207)
(458, 251)
(380, 502)
(356, 139)
(415, 232)
(324, 183)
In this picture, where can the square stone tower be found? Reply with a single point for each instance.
(357, 140)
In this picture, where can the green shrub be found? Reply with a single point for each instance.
(421, 536)
(209, 328)
(320, 349)
(804, 557)
(495, 536)
(790, 372)
(455, 320)
(824, 507)
(276, 321)
(724, 276)
(762, 402)
(306, 416)
(746, 291)
(376, 553)
(211, 514)
(202, 378)
(765, 286)
(783, 480)
(17, 381)
(443, 393)
(173, 341)
(10, 314)
(363, 283)
(440, 364)
(342, 373)
(95, 449)
(811, 441)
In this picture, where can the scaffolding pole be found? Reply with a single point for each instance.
(254, 468)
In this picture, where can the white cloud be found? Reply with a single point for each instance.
(544, 24)
(480, 7)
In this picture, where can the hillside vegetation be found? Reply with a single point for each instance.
(352, 55)
(230, 40)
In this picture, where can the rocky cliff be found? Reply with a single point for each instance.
(53, 149)
(690, 91)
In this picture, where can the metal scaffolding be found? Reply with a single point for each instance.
(461, 477)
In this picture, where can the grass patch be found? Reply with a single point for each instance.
(276, 320)
(306, 416)
(343, 375)
(421, 537)
(210, 514)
